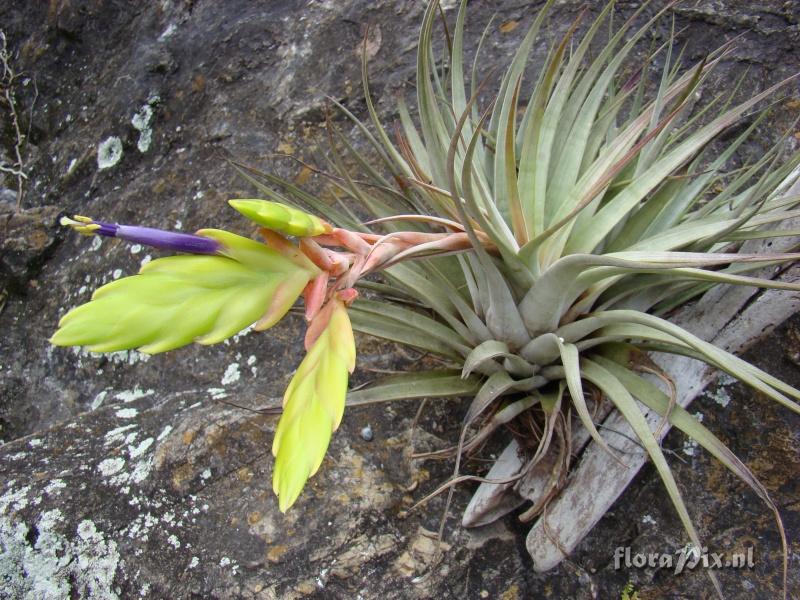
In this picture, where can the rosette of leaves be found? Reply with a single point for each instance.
(535, 241)
(594, 207)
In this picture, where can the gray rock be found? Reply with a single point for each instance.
(127, 477)
(27, 239)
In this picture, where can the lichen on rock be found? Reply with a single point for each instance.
(109, 152)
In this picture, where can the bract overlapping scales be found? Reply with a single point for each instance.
(313, 407)
(177, 300)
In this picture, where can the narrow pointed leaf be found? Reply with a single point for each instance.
(444, 383)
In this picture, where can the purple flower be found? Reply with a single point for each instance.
(157, 238)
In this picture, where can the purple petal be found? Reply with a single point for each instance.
(165, 240)
(106, 229)
(158, 238)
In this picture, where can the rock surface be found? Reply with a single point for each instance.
(126, 476)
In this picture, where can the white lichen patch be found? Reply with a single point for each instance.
(98, 400)
(97, 561)
(721, 396)
(111, 466)
(217, 393)
(97, 241)
(126, 413)
(35, 442)
(194, 562)
(689, 447)
(135, 249)
(26, 572)
(130, 357)
(164, 433)
(116, 274)
(14, 499)
(109, 152)
(231, 374)
(174, 541)
(56, 566)
(49, 519)
(141, 448)
(134, 394)
(141, 526)
(54, 486)
(251, 362)
(141, 123)
(142, 470)
(117, 435)
(242, 333)
(139, 472)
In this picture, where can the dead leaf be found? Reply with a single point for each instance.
(373, 44)
(509, 26)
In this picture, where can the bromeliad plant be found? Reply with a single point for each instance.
(536, 244)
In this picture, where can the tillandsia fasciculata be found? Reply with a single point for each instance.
(534, 241)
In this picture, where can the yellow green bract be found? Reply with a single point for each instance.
(312, 407)
(180, 299)
(280, 217)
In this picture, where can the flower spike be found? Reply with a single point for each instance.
(178, 300)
